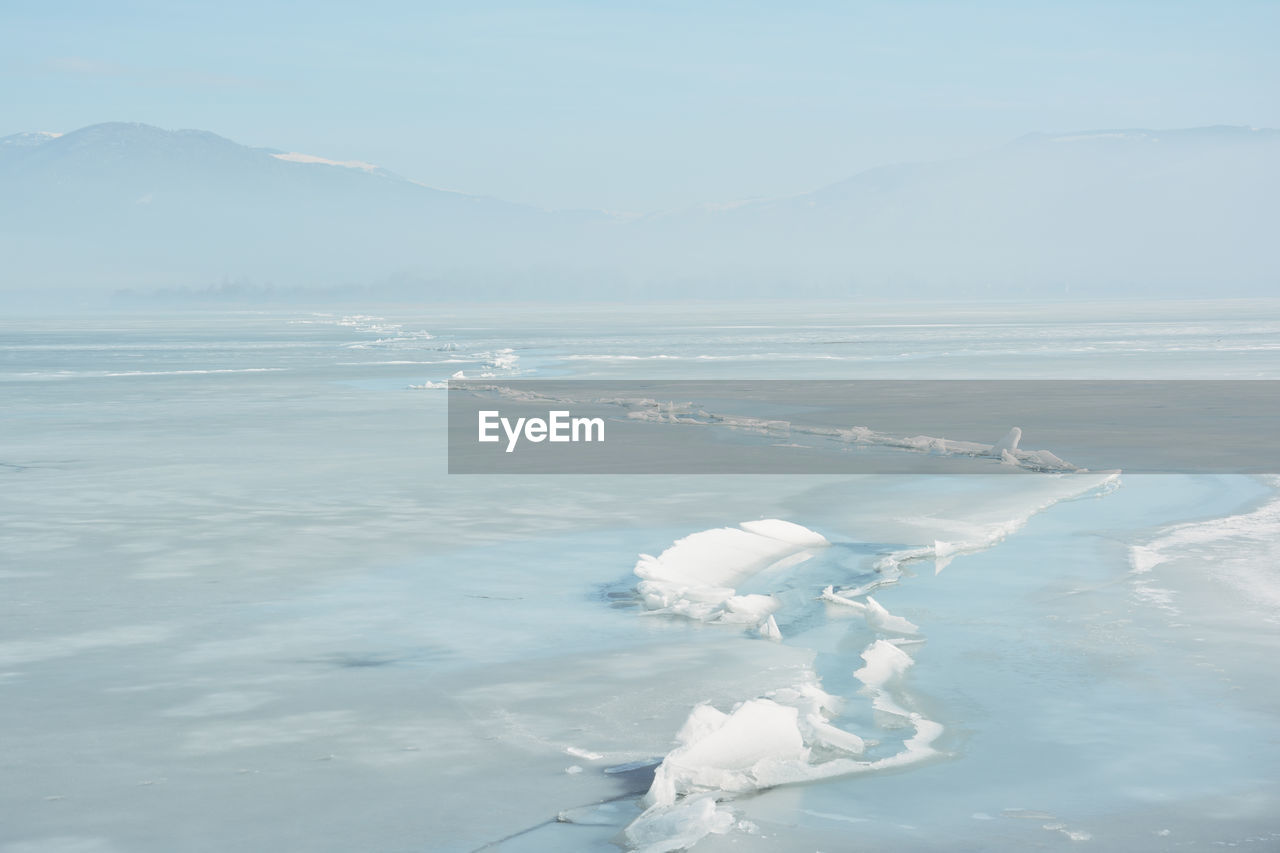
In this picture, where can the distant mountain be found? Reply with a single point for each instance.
(1131, 211)
(129, 205)
(112, 206)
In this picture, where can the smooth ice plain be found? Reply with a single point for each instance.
(242, 605)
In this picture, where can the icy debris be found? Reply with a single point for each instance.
(885, 622)
(878, 618)
(1073, 834)
(758, 742)
(869, 586)
(1008, 444)
(1041, 460)
(1143, 559)
(943, 554)
(583, 753)
(722, 752)
(679, 826)
(503, 362)
(718, 557)
(829, 594)
(785, 736)
(769, 629)
(885, 661)
(503, 359)
(696, 577)
(813, 707)
(685, 412)
(762, 744)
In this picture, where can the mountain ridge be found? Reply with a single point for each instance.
(125, 204)
(30, 139)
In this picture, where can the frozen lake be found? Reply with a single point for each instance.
(242, 605)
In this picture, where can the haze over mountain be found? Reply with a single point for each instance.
(1132, 212)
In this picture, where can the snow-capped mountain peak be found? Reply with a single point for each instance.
(30, 139)
(295, 157)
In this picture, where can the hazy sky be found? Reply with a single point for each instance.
(636, 106)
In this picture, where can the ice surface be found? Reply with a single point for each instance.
(1242, 550)
(972, 526)
(249, 591)
(787, 736)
